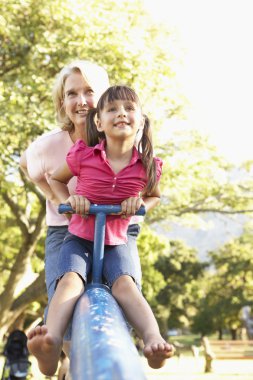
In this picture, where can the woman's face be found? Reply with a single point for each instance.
(79, 97)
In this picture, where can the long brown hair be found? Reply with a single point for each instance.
(145, 146)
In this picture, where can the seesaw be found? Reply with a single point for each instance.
(101, 344)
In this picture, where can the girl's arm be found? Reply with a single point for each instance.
(131, 205)
(58, 182)
(153, 199)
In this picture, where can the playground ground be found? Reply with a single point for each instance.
(184, 368)
(189, 368)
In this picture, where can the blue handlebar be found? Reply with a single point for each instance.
(95, 209)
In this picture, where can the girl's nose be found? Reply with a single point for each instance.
(122, 111)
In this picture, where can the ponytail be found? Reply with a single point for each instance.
(92, 133)
(146, 148)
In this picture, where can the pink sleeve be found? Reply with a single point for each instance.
(159, 165)
(75, 156)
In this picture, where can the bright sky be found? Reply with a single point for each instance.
(217, 75)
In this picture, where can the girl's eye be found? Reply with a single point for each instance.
(111, 109)
(90, 92)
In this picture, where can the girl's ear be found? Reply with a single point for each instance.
(142, 123)
(98, 123)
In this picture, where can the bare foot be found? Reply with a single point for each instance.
(45, 348)
(157, 351)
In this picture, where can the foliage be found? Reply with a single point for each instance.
(182, 271)
(228, 288)
(37, 40)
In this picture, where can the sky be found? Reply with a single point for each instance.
(217, 70)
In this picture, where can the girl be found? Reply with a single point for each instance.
(112, 172)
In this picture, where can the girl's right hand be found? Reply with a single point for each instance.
(80, 204)
(130, 205)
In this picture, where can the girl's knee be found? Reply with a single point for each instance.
(122, 286)
(71, 280)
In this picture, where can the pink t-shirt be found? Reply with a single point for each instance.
(42, 157)
(98, 183)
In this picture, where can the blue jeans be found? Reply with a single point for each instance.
(54, 239)
(76, 256)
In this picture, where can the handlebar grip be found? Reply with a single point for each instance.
(95, 209)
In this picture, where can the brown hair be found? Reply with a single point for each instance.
(145, 146)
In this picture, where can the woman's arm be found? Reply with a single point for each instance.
(58, 182)
(41, 184)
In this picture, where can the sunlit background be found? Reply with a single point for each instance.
(217, 68)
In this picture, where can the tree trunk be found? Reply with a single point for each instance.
(220, 334)
(233, 334)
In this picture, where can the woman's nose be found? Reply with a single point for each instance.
(82, 100)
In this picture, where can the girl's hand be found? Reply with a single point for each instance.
(131, 205)
(80, 204)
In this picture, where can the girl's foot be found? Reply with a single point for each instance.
(45, 348)
(157, 351)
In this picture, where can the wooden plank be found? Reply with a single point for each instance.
(232, 349)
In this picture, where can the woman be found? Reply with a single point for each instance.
(77, 89)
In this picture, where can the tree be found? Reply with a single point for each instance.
(228, 288)
(37, 40)
(182, 272)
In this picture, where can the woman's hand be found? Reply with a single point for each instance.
(130, 205)
(80, 204)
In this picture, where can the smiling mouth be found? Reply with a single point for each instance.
(122, 124)
(82, 112)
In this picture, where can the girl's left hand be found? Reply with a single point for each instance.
(131, 205)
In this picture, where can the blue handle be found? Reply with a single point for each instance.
(95, 209)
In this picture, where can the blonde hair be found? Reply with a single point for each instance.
(94, 75)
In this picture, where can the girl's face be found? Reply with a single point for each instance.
(120, 119)
(78, 98)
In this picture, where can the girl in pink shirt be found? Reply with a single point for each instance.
(112, 172)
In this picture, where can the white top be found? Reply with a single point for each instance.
(44, 156)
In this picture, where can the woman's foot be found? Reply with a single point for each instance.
(45, 348)
(157, 351)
